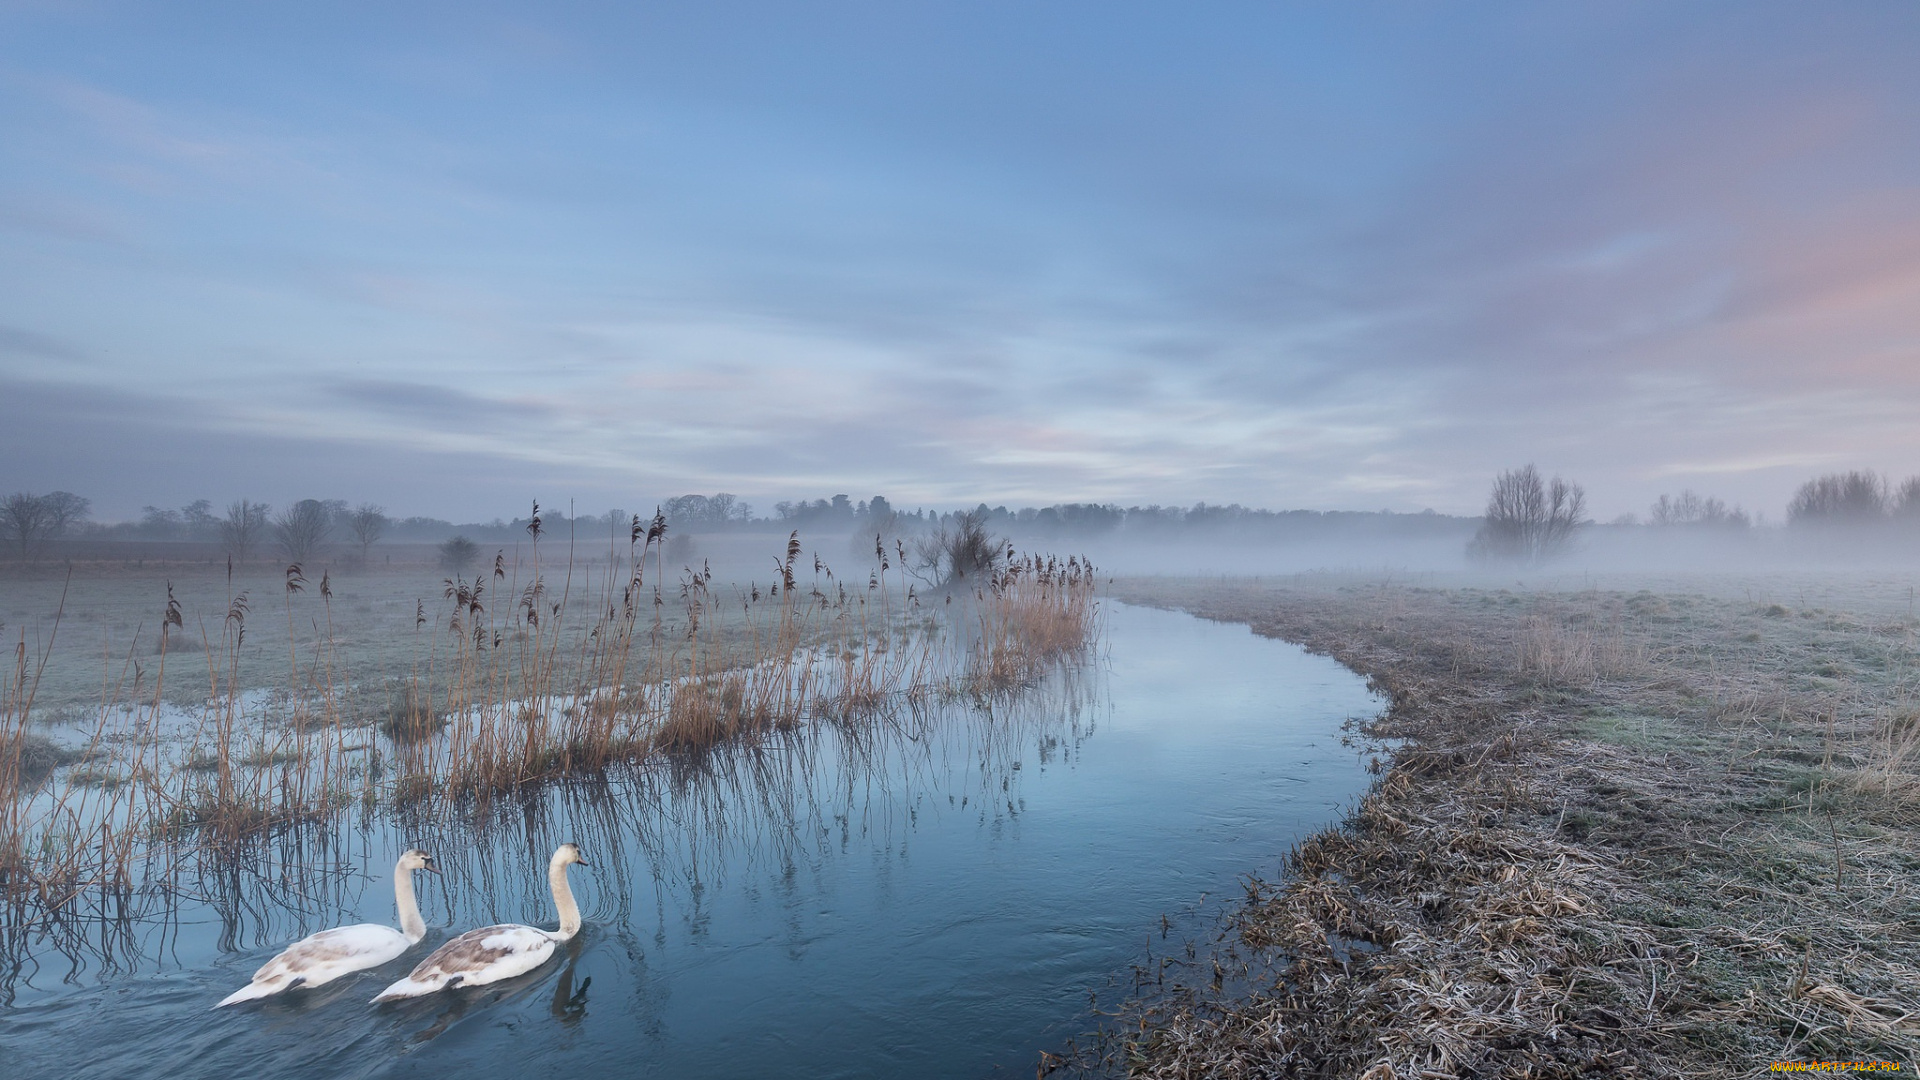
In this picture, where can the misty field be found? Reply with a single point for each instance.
(99, 631)
(1633, 826)
(147, 715)
(1640, 824)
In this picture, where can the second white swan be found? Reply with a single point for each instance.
(493, 953)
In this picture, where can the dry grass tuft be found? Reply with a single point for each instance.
(1576, 653)
(712, 711)
(1892, 760)
(412, 716)
(33, 760)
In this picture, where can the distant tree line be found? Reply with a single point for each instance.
(1854, 499)
(1529, 518)
(1688, 510)
(246, 530)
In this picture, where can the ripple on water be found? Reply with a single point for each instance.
(936, 898)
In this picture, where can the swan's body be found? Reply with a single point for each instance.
(325, 956)
(493, 953)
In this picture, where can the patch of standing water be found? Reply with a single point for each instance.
(930, 895)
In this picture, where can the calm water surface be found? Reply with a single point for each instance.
(931, 896)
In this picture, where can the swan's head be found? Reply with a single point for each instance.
(415, 859)
(569, 853)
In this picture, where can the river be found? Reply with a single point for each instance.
(932, 895)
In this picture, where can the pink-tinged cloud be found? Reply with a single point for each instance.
(1241, 255)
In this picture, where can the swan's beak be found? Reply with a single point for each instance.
(429, 867)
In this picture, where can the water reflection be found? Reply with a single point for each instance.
(930, 891)
(678, 826)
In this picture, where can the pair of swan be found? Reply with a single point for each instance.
(475, 958)
(493, 953)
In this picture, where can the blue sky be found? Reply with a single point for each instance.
(1334, 256)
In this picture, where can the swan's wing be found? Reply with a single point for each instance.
(476, 958)
(336, 952)
(489, 954)
(323, 957)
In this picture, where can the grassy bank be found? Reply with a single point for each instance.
(1623, 833)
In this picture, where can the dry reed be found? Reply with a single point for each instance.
(517, 680)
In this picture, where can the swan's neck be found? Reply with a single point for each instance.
(410, 921)
(563, 899)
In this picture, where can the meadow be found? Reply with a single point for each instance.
(1637, 823)
(167, 717)
(1641, 825)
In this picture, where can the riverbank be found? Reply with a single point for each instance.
(1622, 832)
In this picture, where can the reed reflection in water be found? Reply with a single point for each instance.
(674, 827)
(931, 891)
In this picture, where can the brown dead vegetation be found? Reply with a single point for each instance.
(521, 678)
(1621, 834)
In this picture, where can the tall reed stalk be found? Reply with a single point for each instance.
(513, 683)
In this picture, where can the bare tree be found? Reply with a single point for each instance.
(29, 521)
(959, 549)
(367, 523)
(1528, 519)
(1906, 501)
(1853, 498)
(1690, 509)
(197, 517)
(302, 529)
(159, 523)
(64, 510)
(242, 528)
(24, 519)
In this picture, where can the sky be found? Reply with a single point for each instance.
(453, 257)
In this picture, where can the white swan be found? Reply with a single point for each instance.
(493, 953)
(325, 956)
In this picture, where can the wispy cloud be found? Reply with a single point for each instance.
(437, 406)
(17, 344)
(1249, 255)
